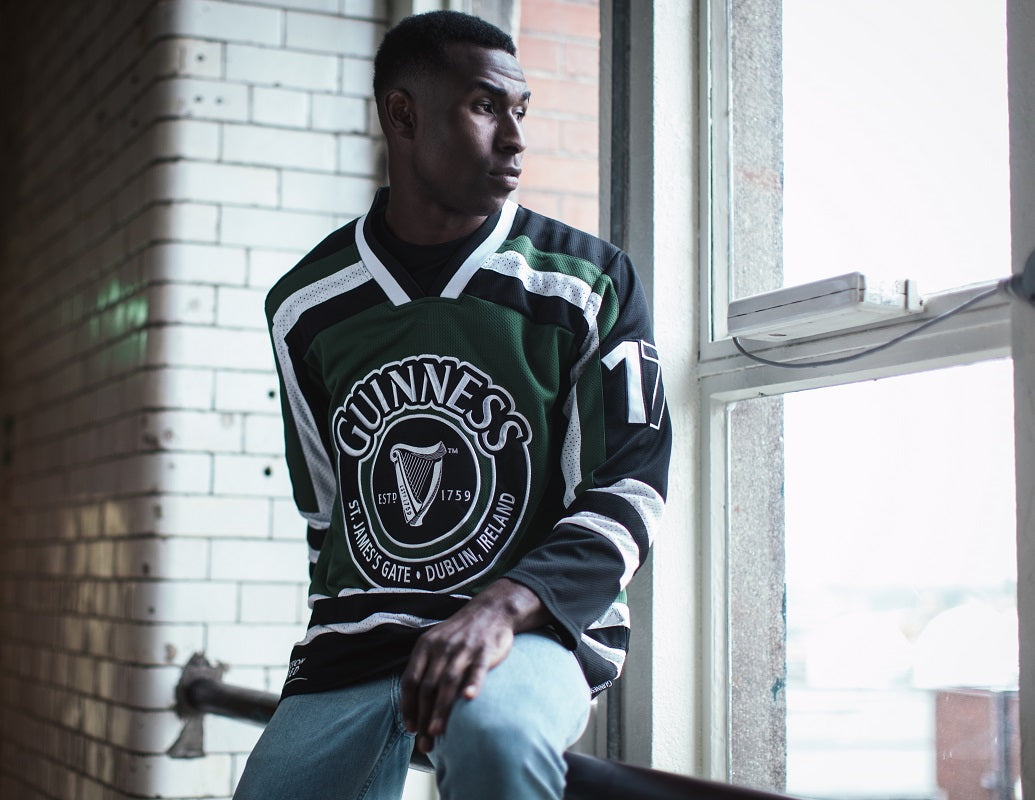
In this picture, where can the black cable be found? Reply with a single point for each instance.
(827, 362)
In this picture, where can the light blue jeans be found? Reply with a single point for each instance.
(505, 744)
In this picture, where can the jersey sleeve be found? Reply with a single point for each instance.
(304, 406)
(614, 462)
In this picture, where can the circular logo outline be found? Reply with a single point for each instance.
(487, 414)
(366, 468)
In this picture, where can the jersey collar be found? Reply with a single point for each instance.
(395, 280)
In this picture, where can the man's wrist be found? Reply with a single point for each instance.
(518, 605)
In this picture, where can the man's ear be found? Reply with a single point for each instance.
(399, 113)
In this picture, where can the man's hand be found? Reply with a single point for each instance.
(454, 657)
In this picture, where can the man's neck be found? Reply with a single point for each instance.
(420, 223)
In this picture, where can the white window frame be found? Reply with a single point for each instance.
(677, 687)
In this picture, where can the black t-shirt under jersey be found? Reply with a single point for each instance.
(423, 261)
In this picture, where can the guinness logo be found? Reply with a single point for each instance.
(434, 466)
(418, 472)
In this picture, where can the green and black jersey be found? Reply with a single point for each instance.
(510, 421)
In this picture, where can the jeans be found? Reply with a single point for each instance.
(505, 744)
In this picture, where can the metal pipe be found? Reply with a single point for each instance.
(201, 690)
(210, 696)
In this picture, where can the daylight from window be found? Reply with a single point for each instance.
(896, 157)
(899, 493)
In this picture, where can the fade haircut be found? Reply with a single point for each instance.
(419, 46)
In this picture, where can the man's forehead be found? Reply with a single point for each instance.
(496, 71)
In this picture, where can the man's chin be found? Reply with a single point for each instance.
(490, 205)
(483, 205)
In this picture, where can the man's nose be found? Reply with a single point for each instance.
(510, 136)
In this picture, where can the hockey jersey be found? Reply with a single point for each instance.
(508, 422)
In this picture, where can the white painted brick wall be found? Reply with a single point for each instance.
(176, 158)
(264, 66)
(277, 147)
(185, 138)
(217, 183)
(211, 516)
(195, 263)
(247, 391)
(195, 97)
(264, 435)
(265, 266)
(312, 191)
(250, 476)
(241, 308)
(284, 107)
(284, 230)
(211, 19)
(340, 114)
(332, 34)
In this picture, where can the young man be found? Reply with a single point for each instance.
(476, 433)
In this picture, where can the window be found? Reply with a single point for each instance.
(899, 564)
(872, 137)
(682, 220)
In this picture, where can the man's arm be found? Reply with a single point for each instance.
(615, 475)
(615, 499)
(452, 659)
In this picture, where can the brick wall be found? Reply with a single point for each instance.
(165, 162)
(559, 49)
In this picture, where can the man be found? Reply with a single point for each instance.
(476, 434)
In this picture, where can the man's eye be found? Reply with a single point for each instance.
(486, 107)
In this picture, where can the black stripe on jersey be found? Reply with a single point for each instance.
(551, 236)
(509, 292)
(359, 606)
(314, 538)
(615, 507)
(333, 660)
(584, 568)
(341, 239)
(313, 321)
(600, 673)
(301, 336)
(312, 389)
(614, 636)
(314, 393)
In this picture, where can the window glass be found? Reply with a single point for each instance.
(895, 531)
(879, 130)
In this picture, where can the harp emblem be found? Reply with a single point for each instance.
(418, 471)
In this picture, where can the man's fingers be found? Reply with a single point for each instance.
(448, 689)
(427, 694)
(447, 671)
(449, 661)
(424, 743)
(475, 679)
(410, 685)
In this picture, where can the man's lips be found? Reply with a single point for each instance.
(508, 177)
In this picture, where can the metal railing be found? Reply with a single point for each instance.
(201, 691)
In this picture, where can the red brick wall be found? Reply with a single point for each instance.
(559, 49)
(967, 744)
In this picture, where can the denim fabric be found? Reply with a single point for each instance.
(505, 744)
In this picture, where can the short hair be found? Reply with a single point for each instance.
(419, 46)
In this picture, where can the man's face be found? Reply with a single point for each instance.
(468, 144)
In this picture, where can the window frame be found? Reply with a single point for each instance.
(683, 725)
